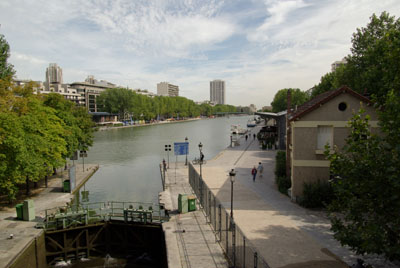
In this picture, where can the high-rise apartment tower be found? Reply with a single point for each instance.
(54, 74)
(217, 92)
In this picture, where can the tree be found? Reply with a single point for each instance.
(332, 80)
(375, 56)
(366, 212)
(117, 100)
(31, 137)
(280, 99)
(373, 66)
(6, 69)
(78, 125)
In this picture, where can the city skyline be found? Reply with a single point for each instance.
(257, 47)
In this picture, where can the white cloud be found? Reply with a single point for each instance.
(277, 13)
(155, 28)
(257, 47)
(31, 59)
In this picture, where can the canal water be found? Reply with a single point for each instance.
(129, 158)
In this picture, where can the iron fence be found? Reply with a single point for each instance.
(238, 249)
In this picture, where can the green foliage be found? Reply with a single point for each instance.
(129, 104)
(316, 195)
(374, 62)
(280, 99)
(367, 183)
(280, 164)
(282, 181)
(366, 212)
(37, 133)
(331, 81)
(78, 129)
(283, 184)
(6, 69)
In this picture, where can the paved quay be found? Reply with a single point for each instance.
(25, 232)
(190, 240)
(282, 232)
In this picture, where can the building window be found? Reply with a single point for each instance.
(325, 136)
(342, 106)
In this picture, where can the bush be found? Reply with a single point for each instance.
(280, 164)
(282, 181)
(316, 195)
(284, 184)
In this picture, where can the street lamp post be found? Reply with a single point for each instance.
(201, 175)
(232, 175)
(186, 140)
(201, 157)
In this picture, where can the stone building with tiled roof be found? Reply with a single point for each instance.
(320, 121)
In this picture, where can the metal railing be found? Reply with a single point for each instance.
(82, 214)
(238, 249)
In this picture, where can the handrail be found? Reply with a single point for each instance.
(82, 214)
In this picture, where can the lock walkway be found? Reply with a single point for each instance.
(190, 240)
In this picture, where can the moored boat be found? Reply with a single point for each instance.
(236, 129)
(251, 123)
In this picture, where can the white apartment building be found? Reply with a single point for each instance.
(167, 89)
(217, 92)
(338, 63)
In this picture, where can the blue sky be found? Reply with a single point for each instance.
(256, 46)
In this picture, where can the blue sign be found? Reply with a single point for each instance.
(181, 148)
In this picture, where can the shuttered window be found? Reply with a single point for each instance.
(325, 136)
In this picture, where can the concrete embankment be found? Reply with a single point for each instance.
(26, 248)
(190, 241)
(149, 124)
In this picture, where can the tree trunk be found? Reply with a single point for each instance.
(46, 180)
(27, 186)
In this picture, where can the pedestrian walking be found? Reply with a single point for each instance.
(254, 136)
(254, 173)
(246, 137)
(164, 165)
(260, 169)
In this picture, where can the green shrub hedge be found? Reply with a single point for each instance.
(316, 195)
(280, 164)
(282, 181)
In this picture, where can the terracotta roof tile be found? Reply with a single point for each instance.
(321, 99)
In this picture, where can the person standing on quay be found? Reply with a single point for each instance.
(260, 169)
(254, 173)
(254, 136)
(246, 137)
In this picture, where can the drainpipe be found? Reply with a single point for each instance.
(288, 133)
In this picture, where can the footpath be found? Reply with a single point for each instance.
(282, 232)
(189, 238)
(24, 232)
